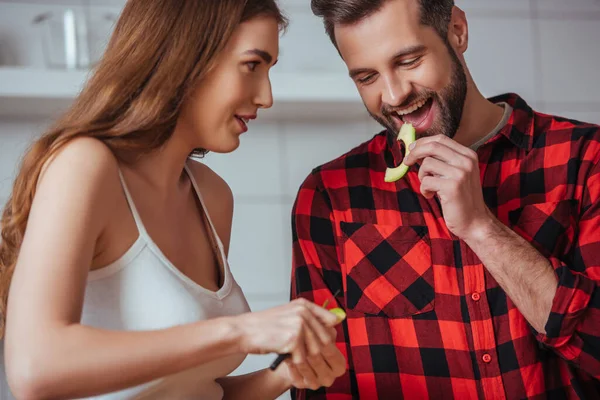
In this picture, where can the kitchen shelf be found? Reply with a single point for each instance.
(39, 93)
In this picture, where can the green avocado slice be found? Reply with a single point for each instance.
(408, 135)
(338, 313)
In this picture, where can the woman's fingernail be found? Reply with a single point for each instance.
(412, 145)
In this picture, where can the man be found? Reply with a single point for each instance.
(476, 275)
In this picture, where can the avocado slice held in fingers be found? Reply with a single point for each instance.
(339, 313)
(407, 135)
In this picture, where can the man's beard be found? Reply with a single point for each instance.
(450, 101)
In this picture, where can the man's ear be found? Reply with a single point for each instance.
(458, 31)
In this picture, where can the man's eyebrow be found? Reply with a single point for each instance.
(399, 54)
(418, 48)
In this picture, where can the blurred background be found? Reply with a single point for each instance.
(545, 50)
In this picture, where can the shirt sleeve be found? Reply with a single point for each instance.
(317, 276)
(573, 328)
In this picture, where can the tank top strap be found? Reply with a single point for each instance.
(136, 216)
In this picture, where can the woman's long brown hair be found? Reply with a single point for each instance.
(158, 51)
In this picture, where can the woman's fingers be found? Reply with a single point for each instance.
(326, 317)
(335, 359)
(322, 332)
(323, 371)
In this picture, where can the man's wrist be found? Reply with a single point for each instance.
(484, 230)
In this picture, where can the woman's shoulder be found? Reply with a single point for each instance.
(88, 154)
(86, 163)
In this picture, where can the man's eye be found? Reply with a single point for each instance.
(409, 62)
(366, 79)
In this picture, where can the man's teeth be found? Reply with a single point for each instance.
(412, 108)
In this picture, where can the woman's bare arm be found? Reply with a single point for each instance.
(48, 353)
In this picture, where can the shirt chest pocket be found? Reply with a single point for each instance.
(388, 269)
(550, 227)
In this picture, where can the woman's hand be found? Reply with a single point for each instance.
(321, 369)
(302, 329)
(298, 328)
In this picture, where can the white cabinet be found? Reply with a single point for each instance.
(309, 81)
(36, 92)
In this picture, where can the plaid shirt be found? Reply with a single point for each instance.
(425, 318)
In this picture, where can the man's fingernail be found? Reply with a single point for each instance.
(412, 145)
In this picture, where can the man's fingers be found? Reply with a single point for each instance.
(443, 149)
(436, 150)
(433, 166)
(430, 185)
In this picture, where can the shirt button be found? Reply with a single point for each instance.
(486, 358)
(475, 296)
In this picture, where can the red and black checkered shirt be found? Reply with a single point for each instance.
(425, 318)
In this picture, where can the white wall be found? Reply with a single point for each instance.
(545, 50)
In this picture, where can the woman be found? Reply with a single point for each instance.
(114, 243)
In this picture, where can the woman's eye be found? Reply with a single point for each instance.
(252, 65)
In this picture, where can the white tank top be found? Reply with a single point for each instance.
(143, 290)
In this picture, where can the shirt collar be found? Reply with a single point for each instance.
(520, 127)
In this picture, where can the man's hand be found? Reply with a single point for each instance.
(450, 171)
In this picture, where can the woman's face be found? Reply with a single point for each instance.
(229, 97)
